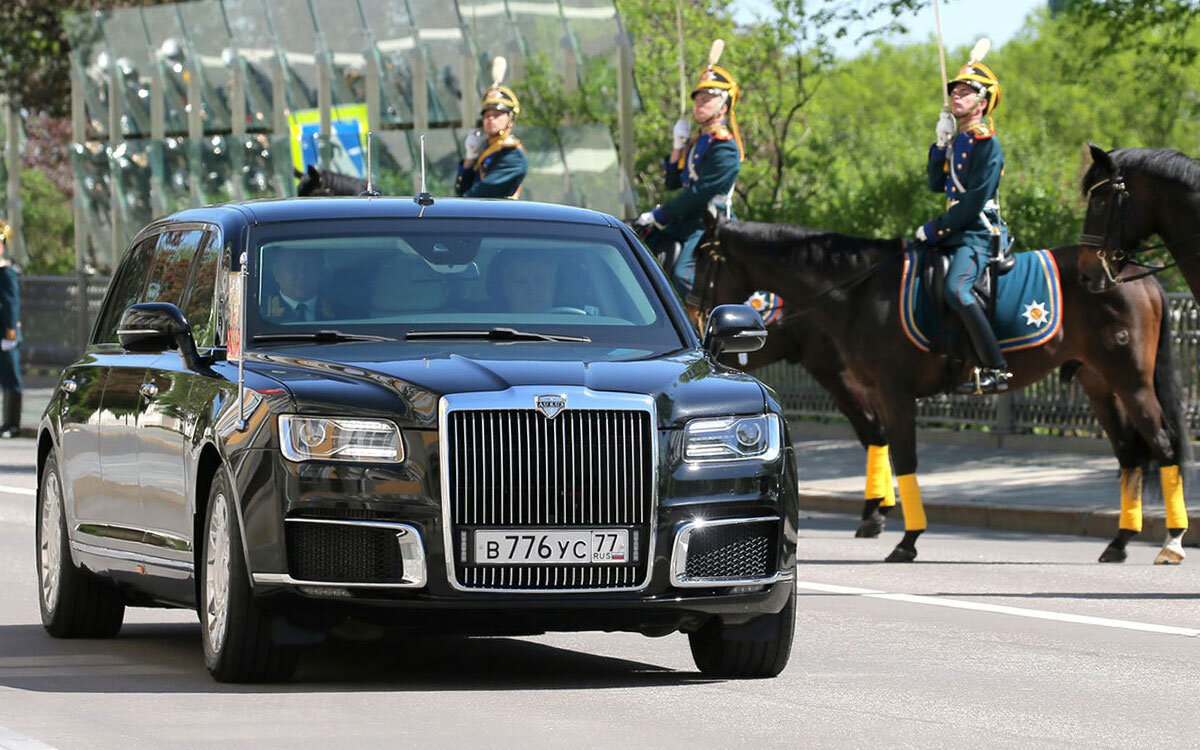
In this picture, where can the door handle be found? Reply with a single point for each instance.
(149, 390)
(69, 385)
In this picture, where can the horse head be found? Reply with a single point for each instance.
(719, 279)
(1113, 226)
(309, 182)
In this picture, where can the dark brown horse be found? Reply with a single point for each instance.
(799, 340)
(851, 287)
(1134, 194)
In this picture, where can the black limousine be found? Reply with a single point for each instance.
(478, 417)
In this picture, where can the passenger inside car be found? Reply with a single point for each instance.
(521, 281)
(297, 273)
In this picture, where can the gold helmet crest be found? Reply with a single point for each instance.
(981, 78)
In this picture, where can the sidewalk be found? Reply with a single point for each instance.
(967, 485)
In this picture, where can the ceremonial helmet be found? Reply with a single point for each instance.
(981, 78)
(717, 80)
(498, 96)
(6, 231)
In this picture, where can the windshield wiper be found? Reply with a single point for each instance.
(319, 337)
(495, 334)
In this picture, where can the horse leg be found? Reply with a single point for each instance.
(900, 414)
(1132, 454)
(880, 493)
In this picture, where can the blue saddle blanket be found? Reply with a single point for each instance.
(1028, 303)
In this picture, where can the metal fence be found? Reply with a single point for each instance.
(55, 325)
(1049, 407)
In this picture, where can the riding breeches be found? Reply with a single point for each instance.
(967, 263)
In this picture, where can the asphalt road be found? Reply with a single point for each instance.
(990, 640)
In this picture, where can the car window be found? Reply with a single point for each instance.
(454, 276)
(172, 265)
(125, 290)
(198, 303)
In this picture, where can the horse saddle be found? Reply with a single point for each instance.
(935, 268)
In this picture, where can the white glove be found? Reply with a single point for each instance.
(473, 144)
(947, 126)
(921, 234)
(7, 345)
(646, 220)
(680, 133)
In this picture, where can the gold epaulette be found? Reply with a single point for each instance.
(719, 132)
(980, 131)
(497, 144)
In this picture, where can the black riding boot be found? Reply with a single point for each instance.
(12, 414)
(993, 373)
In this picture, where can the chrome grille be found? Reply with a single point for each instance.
(515, 468)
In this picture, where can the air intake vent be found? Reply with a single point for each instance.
(339, 553)
(728, 552)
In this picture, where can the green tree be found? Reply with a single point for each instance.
(48, 215)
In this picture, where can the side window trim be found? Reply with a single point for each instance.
(213, 235)
(123, 269)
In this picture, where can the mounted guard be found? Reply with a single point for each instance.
(966, 163)
(705, 167)
(494, 165)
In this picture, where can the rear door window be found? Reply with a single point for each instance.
(172, 267)
(198, 302)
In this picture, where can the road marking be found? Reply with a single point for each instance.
(10, 740)
(1036, 614)
(17, 490)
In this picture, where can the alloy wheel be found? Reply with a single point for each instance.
(51, 548)
(216, 573)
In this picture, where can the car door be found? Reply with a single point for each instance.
(166, 421)
(98, 510)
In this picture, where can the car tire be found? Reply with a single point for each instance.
(238, 644)
(760, 648)
(74, 603)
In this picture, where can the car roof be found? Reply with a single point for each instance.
(272, 210)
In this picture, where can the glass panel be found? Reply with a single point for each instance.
(176, 65)
(491, 34)
(208, 40)
(253, 162)
(172, 265)
(172, 175)
(198, 308)
(282, 170)
(125, 37)
(129, 164)
(90, 58)
(595, 170)
(291, 24)
(341, 28)
(213, 168)
(442, 39)
(92, 183)
(546, 180)
(392, 163)
(248, 25)
(441, 156)
(389, 25)
(540, 28)
(593, 25)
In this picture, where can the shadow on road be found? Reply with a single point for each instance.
(167, 658)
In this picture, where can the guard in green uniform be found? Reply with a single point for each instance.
(966, 163)
(495, 163)
(10, 338)
(705, 167)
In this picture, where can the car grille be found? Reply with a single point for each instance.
(337, 553)
(514, 468)
(738, 551)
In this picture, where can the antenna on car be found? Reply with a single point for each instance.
(370, 192)
(423, 198)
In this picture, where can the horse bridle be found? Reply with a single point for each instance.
(1107, 252)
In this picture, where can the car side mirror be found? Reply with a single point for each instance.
(156, 327)
(734, 329)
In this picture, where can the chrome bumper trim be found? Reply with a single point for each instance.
(679, 554)
(412, 552)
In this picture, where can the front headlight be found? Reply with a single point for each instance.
(339, 439)
(732, 439)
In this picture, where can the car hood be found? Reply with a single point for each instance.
(683, 385)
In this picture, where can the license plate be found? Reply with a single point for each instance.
(577, 547)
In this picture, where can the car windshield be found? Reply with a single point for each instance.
(422, 279)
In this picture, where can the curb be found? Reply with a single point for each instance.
(1072, 521)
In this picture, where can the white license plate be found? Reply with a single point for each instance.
(532, 547)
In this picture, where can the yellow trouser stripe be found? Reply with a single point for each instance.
(1172, 488)
(910, 500)
(879, 475)
(1131, 499)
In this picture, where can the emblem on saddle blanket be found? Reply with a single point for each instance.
(1028, 303)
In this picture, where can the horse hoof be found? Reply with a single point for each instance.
(1172, 554)
(902, 554)
(1113, 554)
(870, 528)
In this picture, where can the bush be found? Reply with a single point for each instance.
(49, 226)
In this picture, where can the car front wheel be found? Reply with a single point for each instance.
(760, 648)
(238, 646)
(74, 603)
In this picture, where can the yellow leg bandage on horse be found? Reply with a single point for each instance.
(1131, 499)
(910, 500)
(879, 475)
(1172, 488)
